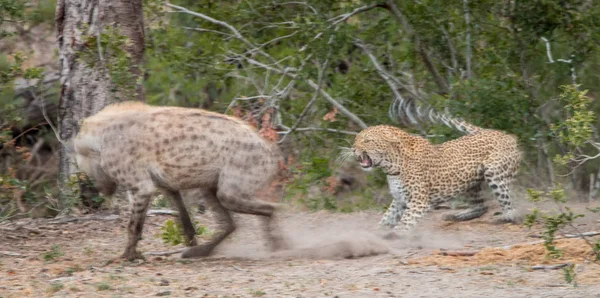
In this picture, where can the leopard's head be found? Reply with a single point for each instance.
(374, 147)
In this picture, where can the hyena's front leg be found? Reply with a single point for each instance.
(141, 199)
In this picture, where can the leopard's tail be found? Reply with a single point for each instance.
(408, 112)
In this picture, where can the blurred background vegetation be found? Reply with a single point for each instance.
(323, 69)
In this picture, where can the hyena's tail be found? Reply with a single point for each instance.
(406, 110)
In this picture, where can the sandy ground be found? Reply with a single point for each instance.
(332, 255)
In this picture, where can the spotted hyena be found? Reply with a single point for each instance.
(146, 148)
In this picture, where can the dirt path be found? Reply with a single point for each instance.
(80, 264)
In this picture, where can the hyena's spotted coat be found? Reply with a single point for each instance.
(147, 148)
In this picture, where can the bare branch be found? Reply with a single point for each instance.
(312, 84)
(467, 37)
(207, 30)
(299, 3)
(235, 32)
(420, 46)
(393, 82)
(347, 132)
(548, 50)
(271, 41)
(451, 48)
(340, 107)
(311, 102)
(569, 61)
(391, 5)
(343, 17)
(275, 65)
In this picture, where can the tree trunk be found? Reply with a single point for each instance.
(86, 85)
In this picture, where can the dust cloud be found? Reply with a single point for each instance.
(318, 236)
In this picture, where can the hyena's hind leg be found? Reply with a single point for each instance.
(184, 216)
(177, 199)
(244, 203)
(224, 223)
(477, 207)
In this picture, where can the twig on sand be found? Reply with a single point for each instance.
(31, 230)
(585, 234)
(162, 212)
(458, 253)
(239, 269)
(165, 253)
(76, 219)
(556, 285)
(63, 279)
(92, 268)
(549, 267)
(10, 253)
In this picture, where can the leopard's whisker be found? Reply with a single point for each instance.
(345, 155)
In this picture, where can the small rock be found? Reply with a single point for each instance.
(190, 289)
(164, 282)
(164, 293)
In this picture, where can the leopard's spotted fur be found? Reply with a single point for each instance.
(421, 174)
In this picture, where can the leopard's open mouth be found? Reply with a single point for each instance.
(365, 161)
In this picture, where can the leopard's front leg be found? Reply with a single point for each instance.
(394, 212)
(416, 208)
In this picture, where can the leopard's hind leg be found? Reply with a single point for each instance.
(477, 207)
(499, 179)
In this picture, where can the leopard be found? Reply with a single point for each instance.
(422, 175)
(144, 149)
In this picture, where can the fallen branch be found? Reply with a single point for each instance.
(458, 253)
(239, 269)
(162, 212)
(556, 285)
(165, 253)
(92, 268)
(78, 219)
(549, 267)
(585, 234)
(63, 279)
(10, 253)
